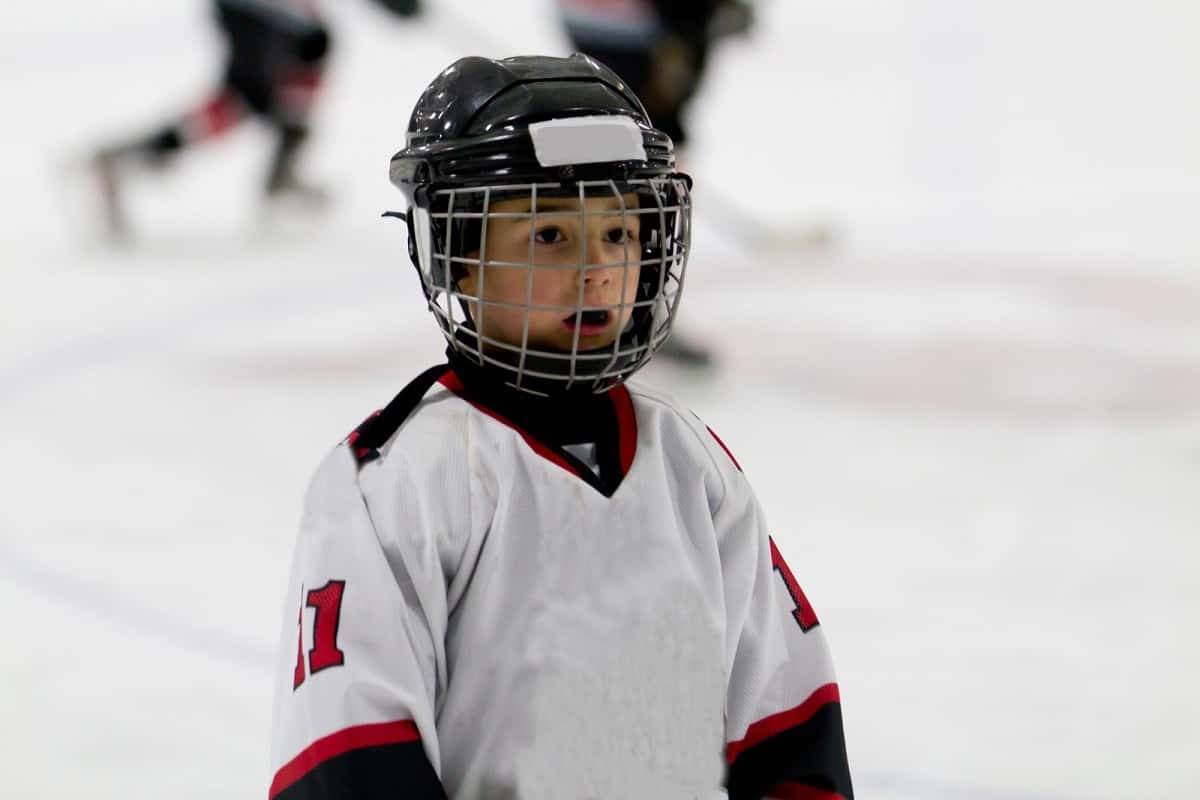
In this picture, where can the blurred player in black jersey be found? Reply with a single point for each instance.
(660, 48)
(276, 56)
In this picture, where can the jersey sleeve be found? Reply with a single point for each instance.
(357, 677)
(783, 713)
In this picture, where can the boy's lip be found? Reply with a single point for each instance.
(597, 322)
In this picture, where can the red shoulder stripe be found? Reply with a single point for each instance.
(775, 724)
(335, 744)
(726, 449)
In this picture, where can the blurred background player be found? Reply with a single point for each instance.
(276, 56)
(660, 48)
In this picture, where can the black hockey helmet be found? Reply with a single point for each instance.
(535, 127)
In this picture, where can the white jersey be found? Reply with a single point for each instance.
(475, 612)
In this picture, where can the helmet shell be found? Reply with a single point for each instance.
(471, 124)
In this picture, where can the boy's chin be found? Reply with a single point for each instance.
(587, 344)
(564, 343)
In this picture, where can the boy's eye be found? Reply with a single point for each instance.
(619, 235)
(549, 235)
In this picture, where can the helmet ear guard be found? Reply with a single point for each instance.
(407, 217)
(431, 267)
(429, 221)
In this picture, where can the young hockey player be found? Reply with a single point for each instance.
(276, 56)
(525, 578)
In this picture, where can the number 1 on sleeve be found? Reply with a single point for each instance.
(324, 653)
(805, 617)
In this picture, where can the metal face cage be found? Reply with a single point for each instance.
(532, 319)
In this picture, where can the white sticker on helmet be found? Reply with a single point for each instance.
(587, 140)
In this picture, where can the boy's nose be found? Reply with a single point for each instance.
(604, 264)
(595, 276)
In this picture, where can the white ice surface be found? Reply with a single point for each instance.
(974, 422)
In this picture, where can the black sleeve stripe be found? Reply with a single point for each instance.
(779, 722)
(366, 762)
(811, 754)
(373, 433)
(798, 791)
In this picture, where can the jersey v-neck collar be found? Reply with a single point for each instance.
(548, 425)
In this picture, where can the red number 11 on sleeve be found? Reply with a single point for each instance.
(324, 653)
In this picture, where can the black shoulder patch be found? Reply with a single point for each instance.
(376, 429)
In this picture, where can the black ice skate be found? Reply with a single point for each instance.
(296, 193)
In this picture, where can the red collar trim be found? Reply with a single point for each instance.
(622, 404)
(452, 382)
(626, 425)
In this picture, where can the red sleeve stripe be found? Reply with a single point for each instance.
(726, 449)
(336, 744)
(798, 791)
(775, 724)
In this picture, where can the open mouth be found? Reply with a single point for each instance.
(589, 322)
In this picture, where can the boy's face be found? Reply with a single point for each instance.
(552, 288)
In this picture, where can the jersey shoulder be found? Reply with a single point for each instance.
(410, 467)
(684, 435)
(367, 444)
(377, 433)
(422, 448)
